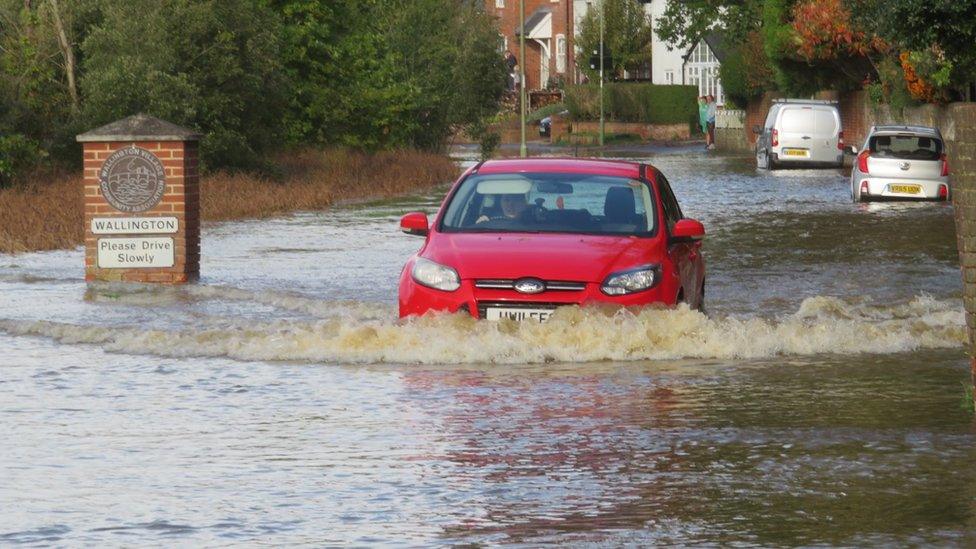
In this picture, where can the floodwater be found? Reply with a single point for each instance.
(280, 402)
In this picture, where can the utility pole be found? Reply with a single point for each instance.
(522, 149)
(602, 13)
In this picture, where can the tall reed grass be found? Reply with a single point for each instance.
(45, 211)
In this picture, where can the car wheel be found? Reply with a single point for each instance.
(770, 163)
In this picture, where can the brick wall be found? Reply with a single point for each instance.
(562, 23)
(756, 115)
(959, 130)
(181, 199)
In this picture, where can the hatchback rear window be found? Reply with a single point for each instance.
(545, 202)
(910, 147)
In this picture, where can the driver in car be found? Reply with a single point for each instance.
(513, 207)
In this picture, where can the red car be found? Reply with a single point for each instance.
(518, 238)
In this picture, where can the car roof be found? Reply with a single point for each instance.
(594, 166)
(922, 130)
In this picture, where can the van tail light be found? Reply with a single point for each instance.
(864, 188)
(862, 161)
(775, 138)
(944, 192)
(840, 140)
(945, 166)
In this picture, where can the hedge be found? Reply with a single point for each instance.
(634, 102)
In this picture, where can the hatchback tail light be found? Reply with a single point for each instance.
(862, 161)
(864, 188)
(840, 140)
(944, 192)
(945, 166)
(775, 138)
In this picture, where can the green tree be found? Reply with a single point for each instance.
(627, 35)
(207, 64)
(685, 23)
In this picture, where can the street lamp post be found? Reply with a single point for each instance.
(522, 148)
(601, 71)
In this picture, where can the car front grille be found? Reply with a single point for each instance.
(509, 284)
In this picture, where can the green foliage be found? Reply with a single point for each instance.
(746, 72)
(250, 74)
(17, 153)
(685, 23)
(632, 102)
(543, 112)
(944, 27)
(211, 65)
(627, 36)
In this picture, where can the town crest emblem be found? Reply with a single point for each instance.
(132, 179)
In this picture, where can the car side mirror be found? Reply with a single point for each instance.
(756, 130)
(686, 230)
(851, 149)
(415, 223)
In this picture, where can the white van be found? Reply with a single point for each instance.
(800, 132)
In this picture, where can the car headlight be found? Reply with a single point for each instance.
(435, 275)
(628, 282)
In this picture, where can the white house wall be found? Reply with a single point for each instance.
(664, 61)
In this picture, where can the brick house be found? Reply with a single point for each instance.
(549, 47)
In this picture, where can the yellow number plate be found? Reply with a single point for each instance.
(795, 152)
(906, 189)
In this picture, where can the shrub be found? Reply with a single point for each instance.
(17, 155)
(632, 102)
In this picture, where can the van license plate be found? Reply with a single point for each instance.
(906, 189)
(796, 152)
(498, 313)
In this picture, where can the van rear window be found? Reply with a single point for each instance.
(810, 121)
(909, 147)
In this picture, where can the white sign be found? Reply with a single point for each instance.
(133, 253)
(134, 225)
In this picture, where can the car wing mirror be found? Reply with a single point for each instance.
(687, 230)
(415, 223)
(851, 149)
(756, 130)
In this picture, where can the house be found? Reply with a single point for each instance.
(696, 66)
(549, 45)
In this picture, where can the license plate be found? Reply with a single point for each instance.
(796, 152)
(498, 313)
(905, 189)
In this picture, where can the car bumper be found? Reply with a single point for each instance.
(813, 161)
(886, 189)
(416, 299)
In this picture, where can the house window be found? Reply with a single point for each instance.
(499, 3)
(560, 53)
(702, 70)
(669, 77)
(502, 43)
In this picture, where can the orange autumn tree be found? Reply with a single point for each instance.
(825, 35)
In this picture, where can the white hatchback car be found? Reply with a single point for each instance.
(899, 163)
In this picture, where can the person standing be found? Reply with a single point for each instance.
(703, 118)
(712, 111)
(510, 64)
(517, 76)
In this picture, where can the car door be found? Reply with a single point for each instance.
(683, 255)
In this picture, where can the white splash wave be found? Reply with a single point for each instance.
(821, 325)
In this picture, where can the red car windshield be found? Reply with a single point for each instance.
(547, 202)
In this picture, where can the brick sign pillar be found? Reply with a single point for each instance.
(142, 202)
(961, 144)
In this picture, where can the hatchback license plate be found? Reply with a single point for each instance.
(796, 152)
(906, 189)
(498, 313)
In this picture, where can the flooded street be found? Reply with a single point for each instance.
(279, 401)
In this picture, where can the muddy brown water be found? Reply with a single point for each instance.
(821, 401)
